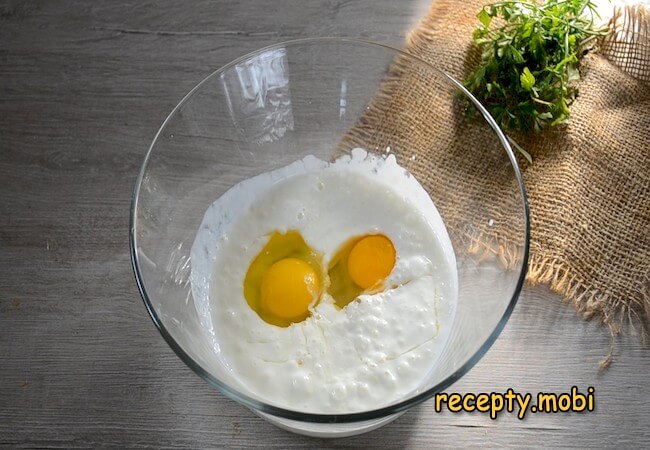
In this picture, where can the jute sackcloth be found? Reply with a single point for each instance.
(588, 185)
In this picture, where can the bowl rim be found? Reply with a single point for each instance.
(373, 414)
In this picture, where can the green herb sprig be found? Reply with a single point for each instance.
(530, 59)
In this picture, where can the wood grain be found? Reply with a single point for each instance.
(84, 87)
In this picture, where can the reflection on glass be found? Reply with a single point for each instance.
(259, 101)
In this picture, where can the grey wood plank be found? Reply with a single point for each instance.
(83, 89)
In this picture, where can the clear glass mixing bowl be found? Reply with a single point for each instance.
(283, 102)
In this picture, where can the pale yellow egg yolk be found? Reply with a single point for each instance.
(371, 260)
(288, 288)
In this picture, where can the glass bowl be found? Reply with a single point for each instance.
(324, 97)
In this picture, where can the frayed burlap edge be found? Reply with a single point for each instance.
(588, 303)
(628, 45)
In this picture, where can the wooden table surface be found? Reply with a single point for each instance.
(84, 87)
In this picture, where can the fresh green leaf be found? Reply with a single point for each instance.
(527, 29)
(517, 57)
(484, 18)
(527, 79)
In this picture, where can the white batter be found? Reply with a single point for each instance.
(371, 353)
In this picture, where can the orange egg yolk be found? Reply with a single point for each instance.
(371, 260)
(288, 288)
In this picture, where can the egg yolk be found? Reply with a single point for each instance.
(371, 260)
(360, 265)
(288, 288)
(285, 277)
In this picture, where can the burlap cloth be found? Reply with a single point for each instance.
(588, 185)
